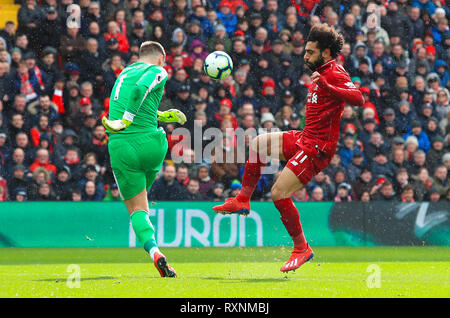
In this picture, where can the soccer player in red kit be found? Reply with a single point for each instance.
(307, 152)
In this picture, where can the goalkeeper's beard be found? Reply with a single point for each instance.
(314, 66)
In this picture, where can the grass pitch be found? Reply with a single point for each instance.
(226, 272)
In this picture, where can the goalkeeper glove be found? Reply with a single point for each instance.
(115, 126)
(172, 116)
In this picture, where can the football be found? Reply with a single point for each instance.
(218, 65)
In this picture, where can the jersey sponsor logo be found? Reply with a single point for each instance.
(350, 85)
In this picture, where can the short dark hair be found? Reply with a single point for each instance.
(151, 49)
(326, 38)
(408, 187)
(193, 179)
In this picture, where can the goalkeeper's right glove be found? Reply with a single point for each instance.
(115, 126)
(172, 116)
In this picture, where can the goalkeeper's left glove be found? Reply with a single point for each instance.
(172, 116)
(115, 126)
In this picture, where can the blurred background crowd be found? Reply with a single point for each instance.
(59, 64)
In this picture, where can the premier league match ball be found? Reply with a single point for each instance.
(218, 65)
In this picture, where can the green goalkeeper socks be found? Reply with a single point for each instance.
(144, 229)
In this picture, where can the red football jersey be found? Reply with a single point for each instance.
(324, 107)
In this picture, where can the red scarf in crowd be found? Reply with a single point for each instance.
(117, 71)
(71, 162)
(26, 88)
(37, 71)
(100, 142)
(122, 27)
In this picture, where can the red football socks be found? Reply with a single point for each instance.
(252, 173)
(291, 220)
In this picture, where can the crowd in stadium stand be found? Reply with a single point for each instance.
(57, 72)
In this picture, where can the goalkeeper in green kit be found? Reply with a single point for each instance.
(137, 146)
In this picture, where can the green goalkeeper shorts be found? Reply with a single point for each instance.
(136, 160)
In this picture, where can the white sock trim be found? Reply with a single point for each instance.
(152, 252)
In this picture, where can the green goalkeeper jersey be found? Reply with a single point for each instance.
(136, 95)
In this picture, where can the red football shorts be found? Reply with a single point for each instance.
(304, 165)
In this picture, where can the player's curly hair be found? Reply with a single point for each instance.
(326, 38)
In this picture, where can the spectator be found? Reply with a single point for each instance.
(51, 28)
(71, 45)
(45, 193)
(235, 187)
(366, 197)
(23, 81)
(441, 179)
(113, 31)
(40, 130)
(422, 184)
(63, 184)
(369, 128)
(89, 192)
(434, 195)
(362, 184)
(91, 175)
(166, 187)
(17, 181)
(401, 180)
(216, 193)
(20, 195)
(418, 162)
(192, 190)
(343, 193)
(68, 139)
(355, 168)
(43, 161)
(183, 175)
(40, 175)
(90, 62)
(222, 169)
(76, 195)
(385, 193)
(301, 195)
(382, 167)
(317, 194)
(227, 17)
(113, 193)
(407, 194)
(446, 160)
(411, 146)
(112, 72)
(326, 186)
(30, 17)
(422, 138)
(43, 107)
(97, 144)
(434, 156)
(205, 181)
(22, 142)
